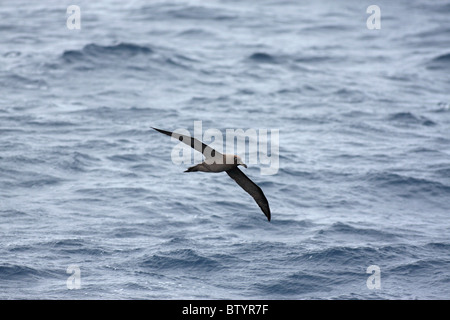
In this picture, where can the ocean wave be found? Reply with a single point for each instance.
(298, 283)
(443, 57)
(410, 118)
(120, 113)
(440, 62)
(23, 160)
(419, 267)
(262, 57)
(325, 28)
(350, 95)
(181, 259)
(113, 192)
(198, 13)
(29, 179)
(196, 33)
(408, 186)
(134, 58)
(77, 161)
(294, 225)
(16, 272)
(438, 246)
(344, 229)
(51, 124)
(343, 256)
(12, 213)
(76, 246)
(92, 50)
(12, 54)
(291, 61)
(16, 81)
(127, 157)
(313, 59)
(177, 62)
(442, 107)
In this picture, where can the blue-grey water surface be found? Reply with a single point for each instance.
(364, 149)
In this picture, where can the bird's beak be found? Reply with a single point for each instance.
(244, 165)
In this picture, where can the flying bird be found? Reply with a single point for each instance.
(218, 162)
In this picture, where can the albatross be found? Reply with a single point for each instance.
(228, 163)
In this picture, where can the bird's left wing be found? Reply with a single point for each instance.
(252, 189)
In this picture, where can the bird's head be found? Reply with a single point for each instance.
(238, 161)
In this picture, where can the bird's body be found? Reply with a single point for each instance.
(214, 167)
(218, 162)
(224, 163)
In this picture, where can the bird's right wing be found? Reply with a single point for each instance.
(251, 188)
(199, 146)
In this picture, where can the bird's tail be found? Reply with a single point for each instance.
(192, 169)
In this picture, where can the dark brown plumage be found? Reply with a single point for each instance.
(230, 168)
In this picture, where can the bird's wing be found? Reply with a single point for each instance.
(252, 189)
(206, 150)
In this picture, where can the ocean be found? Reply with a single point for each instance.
(92, 205)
